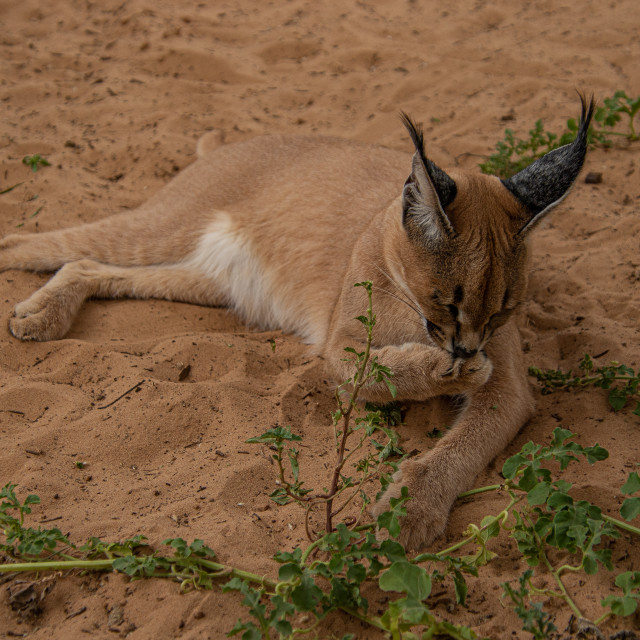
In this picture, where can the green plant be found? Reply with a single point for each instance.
(330, 573)
(630, 508)
(550, 528)
(344, 556)
(22, 542)
(620, 380)
(625, 605)
(534, 620)
(35, 162)
(610, 114)
(514, 154)
(552, 519)
(348, 421)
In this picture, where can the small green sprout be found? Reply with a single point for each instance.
(35, 162)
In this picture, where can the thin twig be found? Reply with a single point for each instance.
(135, 386)
(51, 519)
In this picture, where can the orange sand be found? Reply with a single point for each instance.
(115, 95)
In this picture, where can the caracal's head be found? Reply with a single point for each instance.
(465, 262)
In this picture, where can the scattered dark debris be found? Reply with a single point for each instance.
(593, 177)
(26, 598)
(115, 617)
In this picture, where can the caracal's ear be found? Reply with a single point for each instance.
(427, 191)
(543, 184)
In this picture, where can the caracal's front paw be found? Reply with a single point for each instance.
(39, 318)
(467, 375)
(427, 510)
(477, 370)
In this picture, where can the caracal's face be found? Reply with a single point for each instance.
(464, 306)
(470, 287)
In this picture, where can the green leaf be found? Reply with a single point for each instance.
(35, 162)
(529, 479)
(596, 453)
(235, 584)
(357, 573)
(274, 436)
(621, 606)
(406, 578)
(178, 544)
(413, 612)
(293, 461)
(560, 435)
(286, 556)
(630, 486)
(284, 628)
(617, 401)
(200, 549)
(389, 521)
(629, 582)
(539, 493)
(307, 594)
(559, 499)
(511, 466)
(134, 566)
(393, 390)
(251, 632)
(392, 550)
(460, 587)
(589, 565)
(288, 572)
(279, 496)
(630, 509)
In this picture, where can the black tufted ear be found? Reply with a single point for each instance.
(544, 183)
(426, 193)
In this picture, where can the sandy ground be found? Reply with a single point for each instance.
(115, 95)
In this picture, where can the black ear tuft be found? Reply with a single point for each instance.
(544, 183)
(444, 186)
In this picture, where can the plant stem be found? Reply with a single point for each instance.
(622, 525)
(238, 573)
(471, 538)
(359, 380)
(602, 618)
(57, 565)
(473, 492)
(100, 565)
(565, 594)
(307, 552)
(374, 622)
(569, 567)
(618, 133)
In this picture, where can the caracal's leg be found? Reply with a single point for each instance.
(50, 311)
(495, 413)
(420, 371)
